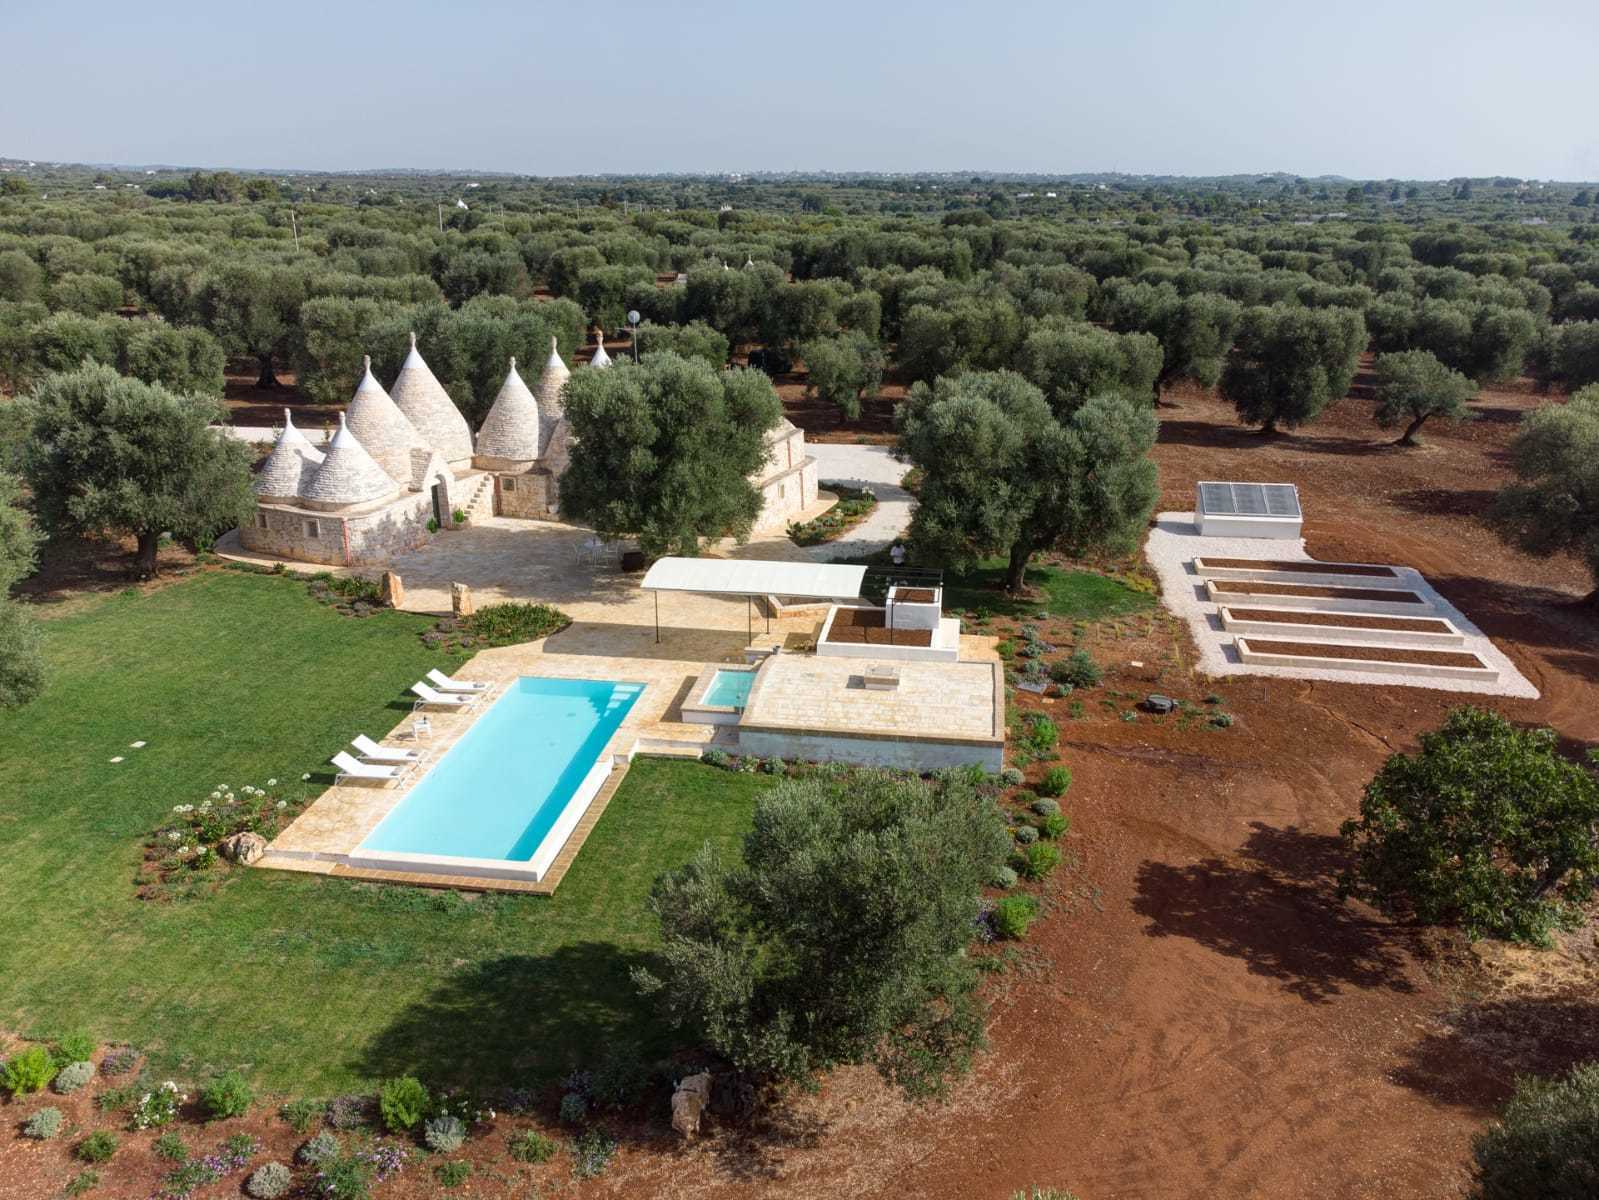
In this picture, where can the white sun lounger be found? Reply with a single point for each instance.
(372, 752)
(445, 684)
(441, 699)
(351, 768)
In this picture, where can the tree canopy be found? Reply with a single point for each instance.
(109, 455)
(664, 451)
(1412, 386)
(838, 936)
(1488, 827)
(1555, 505)
(1545, 1145)
(1290, 363)
(1005, 473)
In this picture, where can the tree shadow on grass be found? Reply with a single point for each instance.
(1472, 1058)
(519, 1018)
(1275, 905)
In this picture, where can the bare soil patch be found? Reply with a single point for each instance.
(1438, 658)
(1285, 616)
(1278, 564)
(1247, 587)
(915, 595)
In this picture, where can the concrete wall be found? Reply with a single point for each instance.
(911, 754)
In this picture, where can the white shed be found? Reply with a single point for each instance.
(1248, 510)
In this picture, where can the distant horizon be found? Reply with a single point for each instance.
(1429, 90)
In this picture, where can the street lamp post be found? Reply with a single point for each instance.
(633, 320)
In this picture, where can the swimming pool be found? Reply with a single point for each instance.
(504, 799)
(729, 689)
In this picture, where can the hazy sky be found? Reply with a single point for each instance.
(1408, 88)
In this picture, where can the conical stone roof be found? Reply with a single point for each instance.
(348, 475)
(425, 403)
(600, 359)
(550, 384)
(288, 469)
(381, 428)
(511, 430)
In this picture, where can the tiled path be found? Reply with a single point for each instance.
(863, 467)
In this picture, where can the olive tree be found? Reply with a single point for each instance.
(1072, 361)
(1488, 827)
(1412, 386)
(109, 455)
(1554, 506)
(1289, 363)
(1545, 1145)
(664, 451)
(21, 661)
(838, 937)
(694, 340)
(1006, 474)
(842, 369)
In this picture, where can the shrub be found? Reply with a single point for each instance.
(1012, 777)
(1037, 860)
(1546, 1142)
(452, 1174)
(1013, 914)
(228, 1095)
(508, 624)
(1078, 669)
(170, 1147)
(1026, 834)
(157, 1106)
(269, 1181)
(302, 1114)
(27, 1071)
(620, 1076)
(72, 1077)
(1054, 825)
(345, 1177)
(1042, 734)
(593, 1152)
(73, 1047)
(1222, 720)
(44, 1124)
(83, 1181)
(323, 1147)
(349, 1112)
(401, 1103)
(1004, 877)
(1055, 781)
(97, 1147)
(119, 1060)
(1005, 649)
(574, 1109)
(714, 757)
(1046, 807)
(531, 1146)
(444, 1135)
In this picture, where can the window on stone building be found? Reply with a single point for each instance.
(508, 484)
(313, 529)
(260, 520)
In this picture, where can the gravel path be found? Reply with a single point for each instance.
(863, 467)
(1173, 545)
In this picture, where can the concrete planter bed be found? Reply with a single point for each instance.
(1341, 626)
(1321, 598)
(1280, 571)
(856, 632)
(1335, 655)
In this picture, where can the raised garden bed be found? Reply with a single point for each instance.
(866, 626)
(1302, 567)
(1371, 654)
(1282, 616)
(915, 595)
(1250, 588)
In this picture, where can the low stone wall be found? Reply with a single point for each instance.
(1320, 603)
(1248, 654)
(1292, 631)
(1309, 575)
(908, 753)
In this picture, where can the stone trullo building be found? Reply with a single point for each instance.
(404, 462)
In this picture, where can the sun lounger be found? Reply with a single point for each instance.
(445, 684)
(351, 768)
(441, 699)
(372, 752)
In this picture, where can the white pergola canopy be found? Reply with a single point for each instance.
(750, 578)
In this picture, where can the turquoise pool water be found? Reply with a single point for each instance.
(496, 793)
(729, 689)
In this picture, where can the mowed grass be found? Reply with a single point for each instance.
(309, 983)
(1073, 595)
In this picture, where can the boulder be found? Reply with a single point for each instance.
(1156, 703)
(461, 600)
(242, 848)
(393, 590)
(689, 1101)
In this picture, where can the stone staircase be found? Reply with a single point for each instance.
(481, 503)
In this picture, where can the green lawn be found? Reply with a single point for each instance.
(312, 984)
(1073, 595)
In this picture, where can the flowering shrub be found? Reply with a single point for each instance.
(351, 1176)
(349, 1112)
(157, 1107)
(268, 1181)
(322, 1148)
(592, 1153)
(119, 1060)
(188, 841)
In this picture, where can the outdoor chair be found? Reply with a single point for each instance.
(351, 768)
(374, 753)
(446, 684)
(441, 699)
